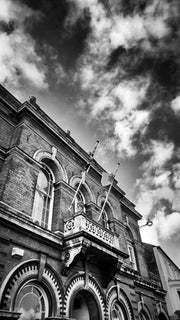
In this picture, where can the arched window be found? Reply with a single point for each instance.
(106, 214)
(32, 301)
(84, 306)
(117, 312)
(44, 195)
(79, 203)
(105, 220)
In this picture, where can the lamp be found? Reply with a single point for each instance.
(149, 223)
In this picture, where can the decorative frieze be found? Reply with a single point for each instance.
(81, 223)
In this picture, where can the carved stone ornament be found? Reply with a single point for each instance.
(69, 255)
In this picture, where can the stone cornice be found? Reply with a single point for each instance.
(20, 220)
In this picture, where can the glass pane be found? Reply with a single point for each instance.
(38, 207)
(117, 313)
(43, 197)
(30, 301)
(114, 315)
(42, 183)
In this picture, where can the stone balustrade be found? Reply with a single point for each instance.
(80, 223)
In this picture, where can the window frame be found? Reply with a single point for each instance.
(45, 220)
(42, 297)
(81, 199)
(132, 257)
(105, 219)
(119, 311)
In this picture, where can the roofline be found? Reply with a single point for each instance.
(34, 108)
(158, 247)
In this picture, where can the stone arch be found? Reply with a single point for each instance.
(78, 284)
(131, 232)
(24, 273)
(53, 163)
(84, 188)
(115, 294)
(52, 201)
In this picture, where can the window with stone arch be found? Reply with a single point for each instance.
(32, 301)
(107, 213)
(44, 197)
(83, 196)
(47, 199)
(104, 217)
(34, 297)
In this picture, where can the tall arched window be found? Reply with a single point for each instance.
(105, 219)
(79, 203)
(44, 194)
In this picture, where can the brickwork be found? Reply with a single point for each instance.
(6, 132)
(19, 185)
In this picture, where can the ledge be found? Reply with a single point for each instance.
(21, 220)
(4, 314)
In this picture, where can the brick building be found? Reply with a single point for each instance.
(56, 262)
(160, 263)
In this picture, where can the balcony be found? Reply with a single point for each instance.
(99, 245)
(80, 223)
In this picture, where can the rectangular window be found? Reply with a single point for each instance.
(132, 256)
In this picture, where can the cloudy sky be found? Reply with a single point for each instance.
(107, 70)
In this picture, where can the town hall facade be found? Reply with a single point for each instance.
(58, 260)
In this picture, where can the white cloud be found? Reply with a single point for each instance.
(130, 93)
(145, 202)
(124, 133)
(176, 201)
(105, 102)
(121, 103)
(167, 225)
(149, 197)
(126, 31)
(175, 105)
(111, 97)
(156, 180)
(160, 152)
(11, 10)
(18, 59)
(176, 175)
(87, 76)
(161, 178)
(164, 227)
(118, 103)
(149, 234)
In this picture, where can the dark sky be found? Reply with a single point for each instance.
(107, 70)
